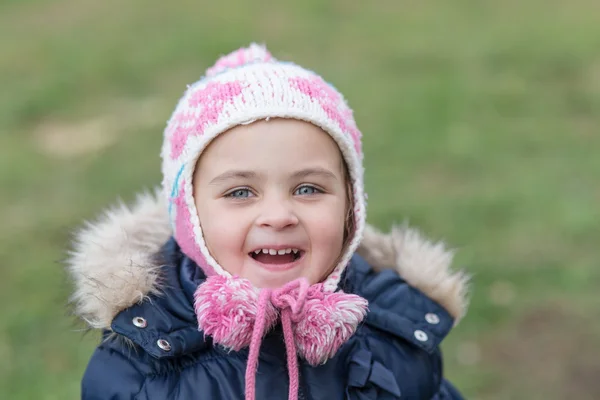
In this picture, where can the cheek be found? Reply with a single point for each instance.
(224, 235)
(327, 230)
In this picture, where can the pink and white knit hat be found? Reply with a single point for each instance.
(245, 86)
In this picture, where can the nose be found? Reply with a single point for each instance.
(277, 214)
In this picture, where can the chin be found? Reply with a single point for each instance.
(273, 282)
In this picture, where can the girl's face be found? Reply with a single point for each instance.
(271, 198)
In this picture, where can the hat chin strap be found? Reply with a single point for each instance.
(315, 323)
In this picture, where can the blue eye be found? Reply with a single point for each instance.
(306, 190)
(239, 194)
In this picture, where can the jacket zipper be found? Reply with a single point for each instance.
(301, 395)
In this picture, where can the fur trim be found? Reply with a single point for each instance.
(112, 262)
(423, 264)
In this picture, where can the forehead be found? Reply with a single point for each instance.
(277, 145)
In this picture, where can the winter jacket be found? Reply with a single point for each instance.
(134, 283)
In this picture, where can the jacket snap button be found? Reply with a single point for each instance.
(140, 322)
(421, 336)
(164, 345)
(432, 318)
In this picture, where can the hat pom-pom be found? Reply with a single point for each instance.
(226, 310)
(237, 58)
(328, 322)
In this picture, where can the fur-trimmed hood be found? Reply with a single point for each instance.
(113, 266)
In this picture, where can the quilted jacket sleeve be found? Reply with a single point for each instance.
(111, 375)
(397, 355)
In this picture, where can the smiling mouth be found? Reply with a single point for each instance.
(275, 257)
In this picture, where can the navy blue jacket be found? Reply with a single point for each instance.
(393, 355)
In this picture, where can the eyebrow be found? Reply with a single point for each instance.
(233, 174)
(314, 171)
(247, 175)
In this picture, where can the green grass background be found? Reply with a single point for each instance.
(481, 127)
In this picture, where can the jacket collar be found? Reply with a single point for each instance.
(170, 316)
(165, 324)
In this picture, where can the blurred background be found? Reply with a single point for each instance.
(481, 124)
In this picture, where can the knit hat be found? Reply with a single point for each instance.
(245, 86)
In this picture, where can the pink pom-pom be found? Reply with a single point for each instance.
(328, 322)
(237, 58)
(226, 309)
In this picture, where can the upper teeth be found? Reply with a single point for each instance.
(274, 252)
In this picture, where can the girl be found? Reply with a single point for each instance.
(254, 275)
